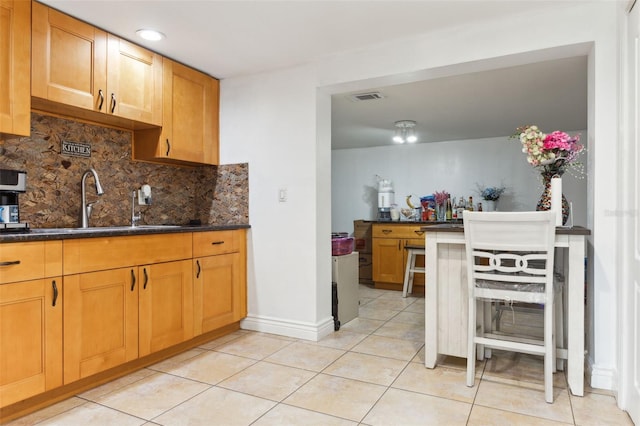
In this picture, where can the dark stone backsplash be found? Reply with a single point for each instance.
(214, 195)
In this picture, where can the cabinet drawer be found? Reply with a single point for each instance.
(28, 261)
(397, 231)
(97, 254)
(216, 242)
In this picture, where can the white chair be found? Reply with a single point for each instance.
(510, 257)
(411, 269)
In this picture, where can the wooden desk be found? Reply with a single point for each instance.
(446, 304)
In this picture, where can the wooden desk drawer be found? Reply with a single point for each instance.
(30, 260)
(216, 242)
(397, 231)
(97, 254)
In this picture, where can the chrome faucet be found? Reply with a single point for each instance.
(134, 217)
(87, 208)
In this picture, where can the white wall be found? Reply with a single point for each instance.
(277, 122)
(269, 121)
(455, 166)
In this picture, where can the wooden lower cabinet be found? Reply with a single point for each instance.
(219, 278)
(166, 305)
(30, 338)
(389, 256)
(144, 297)
(388, 260)
(100, 321)
(217, 292)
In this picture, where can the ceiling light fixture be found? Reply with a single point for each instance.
(151, 35)
(405, 132)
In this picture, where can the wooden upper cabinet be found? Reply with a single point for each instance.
(134, 82)
(15, 47)
(190, 119)
(75, 64)
(69, 60)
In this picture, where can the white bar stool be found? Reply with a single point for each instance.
(411, 268)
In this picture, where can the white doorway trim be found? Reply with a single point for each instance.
(629, 312)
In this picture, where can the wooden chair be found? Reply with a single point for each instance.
(510, 257)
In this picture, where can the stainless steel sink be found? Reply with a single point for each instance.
(156, 226)
(79, 230)
(51, 230)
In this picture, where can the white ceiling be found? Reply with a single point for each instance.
(233, 38)
(551, 94)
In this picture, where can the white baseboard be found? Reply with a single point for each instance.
(601, 378)
(296, 329)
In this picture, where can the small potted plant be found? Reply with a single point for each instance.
(490, 195)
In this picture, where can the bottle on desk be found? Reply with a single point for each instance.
(449, 212)
(461, 207)
(470, 204)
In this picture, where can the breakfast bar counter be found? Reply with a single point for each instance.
(446, 307)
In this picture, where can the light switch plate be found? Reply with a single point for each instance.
(282, 195)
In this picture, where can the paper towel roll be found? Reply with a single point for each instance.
(556, 198)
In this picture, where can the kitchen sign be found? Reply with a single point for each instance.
(76, 149)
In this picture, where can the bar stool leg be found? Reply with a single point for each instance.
(407, 275)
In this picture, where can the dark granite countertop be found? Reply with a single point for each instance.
(459, 227)
(413, 222)
(43, 234)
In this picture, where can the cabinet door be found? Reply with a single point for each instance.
(134, 82)
(388, 260)
(69, 60)
(100, 321)
(15, 66)
(190, 124)
(218, 296)
(30, 338)
(166, 305)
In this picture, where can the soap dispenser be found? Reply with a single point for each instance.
(144, 195)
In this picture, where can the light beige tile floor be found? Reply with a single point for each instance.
(370, 372)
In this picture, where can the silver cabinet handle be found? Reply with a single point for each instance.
(168, 147)
(9, 263)
(113, 102)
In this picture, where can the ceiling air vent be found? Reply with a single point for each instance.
(368, 96)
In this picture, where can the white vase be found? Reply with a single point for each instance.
(489, 205)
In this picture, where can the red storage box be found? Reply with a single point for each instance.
(341, 246)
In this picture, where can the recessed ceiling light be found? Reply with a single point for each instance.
(151, 35)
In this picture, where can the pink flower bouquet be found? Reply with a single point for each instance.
(552, 153)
